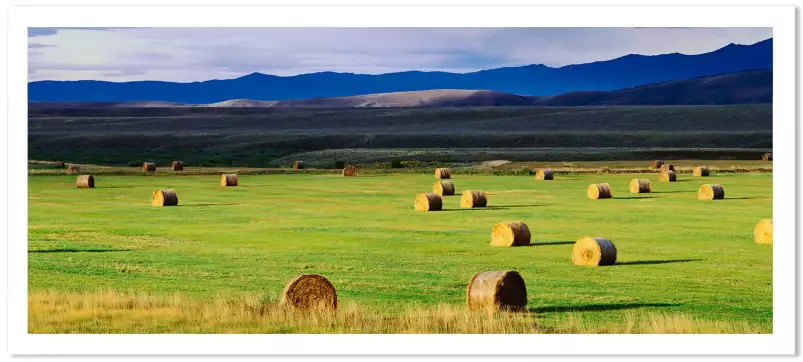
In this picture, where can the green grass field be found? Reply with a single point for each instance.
(677, 256)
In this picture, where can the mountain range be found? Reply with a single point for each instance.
(735, 88)
(579, 84)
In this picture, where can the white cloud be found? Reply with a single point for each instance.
(193, 54)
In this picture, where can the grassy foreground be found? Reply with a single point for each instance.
(105, 261)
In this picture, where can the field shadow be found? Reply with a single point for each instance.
(596, 307)
(671, 192)
(220, 204)
(77, 250)
(651, 262)
(682, 181)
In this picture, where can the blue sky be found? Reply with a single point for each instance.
(197, 54)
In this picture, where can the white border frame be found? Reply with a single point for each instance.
(780, 18)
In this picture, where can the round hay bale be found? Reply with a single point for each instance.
(701, 171)
(599, 191)
(503, 290)
(667, 167)
(767, 156)
(640, 186)
(443, 173)
(711, 192)
(763, 232)
(148, 167)
(59, 164)
(71, 169)
(309, 291)
(510, 233)
(543, 174)
(668, 176)
(472, 199)
(428, 202)
(350, 171)
(85, 182)
(443, 188)
(229, 179)
(177, 166)
(656, 164)
(298, 165)
(594, 251)
(164, 198)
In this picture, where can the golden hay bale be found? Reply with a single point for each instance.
(443, 188)
(599, 191)
(543, 174)
(510, 233)
(701, 171)
(59, 164)
(657, 164)
(148, 167)
(667, 167)
(668, 176)
(85, 182)
(298, 165)
(164, 198)
(640, 186)
(763, 232)
(443, 173)
(504, 290)
(471, 199)
(229, 179)
(350, 171)
(177, 166)
(594, 251)
(71, 169)
(767, 156)
(711, 192)
(310, 291)
(428, 202)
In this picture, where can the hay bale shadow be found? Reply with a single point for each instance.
(746, 198)
(220, 204)
(671, 192)
(597, 307)
(634, 197)
(501, 207)
(551, 243)
(653, 262)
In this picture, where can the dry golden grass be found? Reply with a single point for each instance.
(113, 312)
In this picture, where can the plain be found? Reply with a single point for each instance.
(678, 257)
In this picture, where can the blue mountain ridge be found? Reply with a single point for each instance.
(536, 80)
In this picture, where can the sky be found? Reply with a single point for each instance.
(198, 54)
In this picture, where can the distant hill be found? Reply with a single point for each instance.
(735, 88)
(427, 98)
(532, 80)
